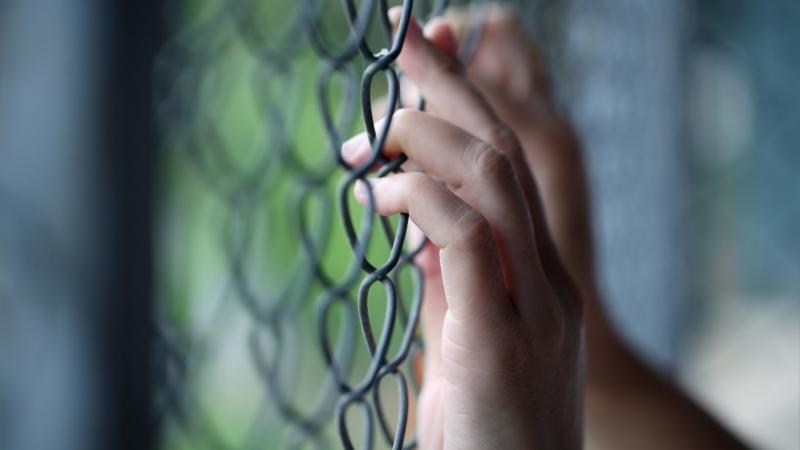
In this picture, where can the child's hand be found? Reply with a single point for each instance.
(506, 68)
(502, 319)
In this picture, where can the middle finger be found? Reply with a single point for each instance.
(477, 172)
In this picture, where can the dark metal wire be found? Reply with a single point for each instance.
(190, 92)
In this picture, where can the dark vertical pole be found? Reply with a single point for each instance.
(134, 32)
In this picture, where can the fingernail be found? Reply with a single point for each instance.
(360, 191)
(429, 27)
(351, 147)
(395, 13)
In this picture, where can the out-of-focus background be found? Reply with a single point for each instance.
(128, 131)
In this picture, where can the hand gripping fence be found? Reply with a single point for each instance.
(187, 75)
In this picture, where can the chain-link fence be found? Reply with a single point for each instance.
(256, 99)
(286, 313)
(298, 75)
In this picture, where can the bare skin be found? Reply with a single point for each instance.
(510, 287)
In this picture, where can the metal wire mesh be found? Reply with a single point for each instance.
(323, 297)
(281, 183)
(241, 284)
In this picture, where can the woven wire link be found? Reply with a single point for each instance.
(278, 183)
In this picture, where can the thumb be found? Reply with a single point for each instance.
(434, 304)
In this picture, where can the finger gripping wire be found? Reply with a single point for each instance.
(196, 82)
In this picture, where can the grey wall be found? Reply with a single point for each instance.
(622, 69)
(48, 234)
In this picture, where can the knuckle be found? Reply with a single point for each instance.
(448, 67)
(502, 137)
(444, 66)
(492, 164)
(401, 117)
(418, 184)
(470, 227)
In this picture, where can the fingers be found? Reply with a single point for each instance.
(439, 79)
(507, 69)
(477, 172)
(441, 34)
(434, 307)
(448, 94)
(471, 274)
(443, 150)
(504, 59)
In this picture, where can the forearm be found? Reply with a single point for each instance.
(627, 404)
